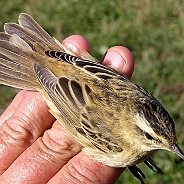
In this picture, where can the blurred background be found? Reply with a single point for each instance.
(152, 30)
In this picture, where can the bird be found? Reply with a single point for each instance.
(117, 122)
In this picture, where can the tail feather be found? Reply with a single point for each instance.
(16, 82)
(11, 51)
(14, 58)
(28, 37)
(29, 23)
(16, 74)
(18, 46)
(32, 33)
(4, 36)
(16, 64)
(23, 44)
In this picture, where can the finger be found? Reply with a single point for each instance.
(121, 58)
(117, 57)
(83, 169)
(43, 159)
(55, 153)
(25, 124)
(76, 43)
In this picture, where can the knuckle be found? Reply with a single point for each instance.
(81, 173)
(15, 133)
(58, 147)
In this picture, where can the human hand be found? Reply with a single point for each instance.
(35, 148)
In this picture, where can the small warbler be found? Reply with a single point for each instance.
(117, 122)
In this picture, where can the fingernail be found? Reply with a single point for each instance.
(114, 59)
(71, 46)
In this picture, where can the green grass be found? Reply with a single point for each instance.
(152, 30)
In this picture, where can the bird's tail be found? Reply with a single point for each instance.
(21, 45)
(16, 64)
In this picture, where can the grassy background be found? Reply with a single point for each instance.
(152, 30)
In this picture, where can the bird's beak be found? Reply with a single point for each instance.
(176, 149)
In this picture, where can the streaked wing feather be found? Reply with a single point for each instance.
(59, 95)
(62, 56)
(73, 101)
(92, 67)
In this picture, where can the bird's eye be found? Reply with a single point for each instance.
(148, 136)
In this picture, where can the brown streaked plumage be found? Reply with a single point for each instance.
(117, 122)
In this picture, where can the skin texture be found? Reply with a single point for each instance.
(35, 148)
